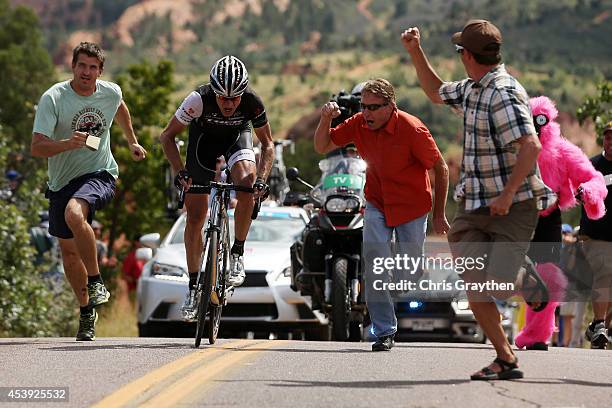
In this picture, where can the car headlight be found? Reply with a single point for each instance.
(337, 204)
(167, 270)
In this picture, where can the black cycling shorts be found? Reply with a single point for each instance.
(202, 154)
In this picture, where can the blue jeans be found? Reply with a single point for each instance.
(376, 231)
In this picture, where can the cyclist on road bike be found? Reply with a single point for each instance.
(218, 116)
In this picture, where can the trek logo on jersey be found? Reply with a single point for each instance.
(213, 118)
(90, 120)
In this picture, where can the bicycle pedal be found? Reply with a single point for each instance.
(229, 292)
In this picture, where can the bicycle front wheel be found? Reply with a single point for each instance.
(206, 286)
(214, 319)
(214, 311)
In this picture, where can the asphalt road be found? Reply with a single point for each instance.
(263, 373)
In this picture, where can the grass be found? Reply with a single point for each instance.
(118, 318)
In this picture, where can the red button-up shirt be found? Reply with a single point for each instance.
(398, 157)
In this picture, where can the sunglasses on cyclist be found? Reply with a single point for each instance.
(225, 98)
(459, 49)
(372, 106)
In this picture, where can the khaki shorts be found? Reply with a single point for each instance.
(599, 256)
(568, 309)
(504, 239)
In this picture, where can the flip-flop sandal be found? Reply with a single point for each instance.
(509, 371)
(539, 287)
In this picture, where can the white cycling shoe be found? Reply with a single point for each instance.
(236, 275)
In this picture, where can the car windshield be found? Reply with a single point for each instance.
(268, 227)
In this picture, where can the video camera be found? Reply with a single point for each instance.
(349, 105)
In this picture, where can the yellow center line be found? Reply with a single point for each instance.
(135, 388)
(197, 378)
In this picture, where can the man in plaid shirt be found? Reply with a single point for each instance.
(500, 190)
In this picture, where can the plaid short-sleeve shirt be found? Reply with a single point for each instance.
(496, 113)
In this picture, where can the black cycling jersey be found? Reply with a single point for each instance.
(251, 109)
(211, 134)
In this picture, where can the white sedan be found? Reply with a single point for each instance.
(264, 302)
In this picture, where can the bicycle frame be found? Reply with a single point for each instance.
(218, 222)
(211, 281)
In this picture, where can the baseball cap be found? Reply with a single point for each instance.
(608, 127)
(567, 229)
(479, 37)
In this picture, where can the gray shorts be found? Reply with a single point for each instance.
(599, 256)
(502, 240)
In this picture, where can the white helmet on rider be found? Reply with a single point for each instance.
(229, 77)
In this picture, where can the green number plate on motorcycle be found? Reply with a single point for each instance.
(343, 180)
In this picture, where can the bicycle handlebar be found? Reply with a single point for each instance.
(227, 187)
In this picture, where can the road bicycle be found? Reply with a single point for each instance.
(212, 290)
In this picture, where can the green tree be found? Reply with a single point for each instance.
(28, 307)
(27, 72)
(598, 108)
(140, 199)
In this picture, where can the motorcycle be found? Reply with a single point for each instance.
(326, 258)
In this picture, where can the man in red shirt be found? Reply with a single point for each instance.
(399, 151)
(132, 266)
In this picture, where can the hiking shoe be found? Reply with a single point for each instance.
(87, 326)
(98, 294)
(236, 275)
(189, 306)
(384, 343)
(598, 335)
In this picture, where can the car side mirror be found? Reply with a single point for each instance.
(151, 240)
(144, 254)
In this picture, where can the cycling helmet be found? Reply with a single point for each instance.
(229, 77)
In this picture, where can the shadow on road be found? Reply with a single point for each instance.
(412, 383)
(442, 346)
(296, 350)
(562, 381)
(361, 384)
(93, 346)
(25, 343)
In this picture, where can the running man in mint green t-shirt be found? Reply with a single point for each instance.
(81, 179)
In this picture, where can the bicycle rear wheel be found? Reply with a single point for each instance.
(214, 311)
(206, 285)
